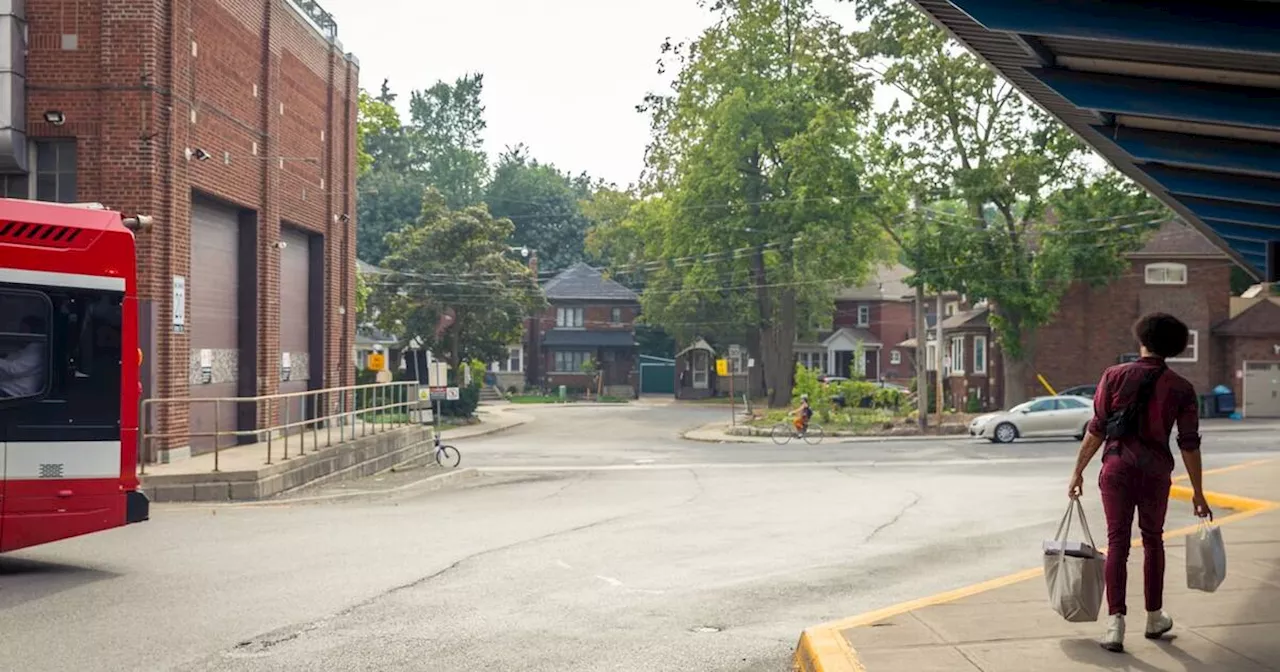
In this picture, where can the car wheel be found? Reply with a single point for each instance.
(1005, 433)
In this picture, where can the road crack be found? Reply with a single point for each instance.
(901, 512)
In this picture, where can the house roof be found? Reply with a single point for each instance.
(567, 338)
(853, 334)
(699, 344)
(1262, 319)
(967, 319)
(1176, 239)
(888, 284)
(582, 282)
(365, 268)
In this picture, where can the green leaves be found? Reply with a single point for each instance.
(455, 262)
(544, 205)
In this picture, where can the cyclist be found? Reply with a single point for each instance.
(803, 414)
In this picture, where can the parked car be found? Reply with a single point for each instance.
(1042, 416)
(1079, 391)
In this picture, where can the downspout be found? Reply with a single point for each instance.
(13, 84)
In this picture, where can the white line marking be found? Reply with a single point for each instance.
(58, 460)
(52, 279)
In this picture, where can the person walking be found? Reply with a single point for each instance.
(1135, 409)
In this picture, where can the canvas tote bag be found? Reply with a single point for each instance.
(1073, 571)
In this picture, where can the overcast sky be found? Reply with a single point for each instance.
(562, 76)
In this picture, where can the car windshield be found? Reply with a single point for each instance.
(1026, 405)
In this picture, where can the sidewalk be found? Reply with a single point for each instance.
(493, 418)
(1007, 624)
(715, 432)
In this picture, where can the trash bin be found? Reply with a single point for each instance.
(564, 393)
(1224, 401)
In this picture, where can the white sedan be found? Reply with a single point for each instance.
(1042, 416)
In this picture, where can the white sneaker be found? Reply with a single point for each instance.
(1158, 623)
(1114, 640)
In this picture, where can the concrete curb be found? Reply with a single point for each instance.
(822, 648)
(467, 433)
(429, 484)
(711, 433)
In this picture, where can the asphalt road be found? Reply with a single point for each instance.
(596, 539)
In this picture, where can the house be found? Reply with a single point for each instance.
(590, 319)
(1250, 346)
(1178, 271)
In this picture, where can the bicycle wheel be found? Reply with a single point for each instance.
(782, 433)
(448, 456)
(813, 435)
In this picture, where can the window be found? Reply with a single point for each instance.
(738, 365)
(979, 354)
(571, 361)
(569, 318)
(1192, 353)
(895, 357)
(56, 170)
(514, 363)
(14, 186)
(864, 316)
(1041, 406)
(931, 358)
(950, 309)
(1166, 274)
(24, 344)
(615, 316)
(957, 355)
(1070, 404)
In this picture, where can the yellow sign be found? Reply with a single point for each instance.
(722, 367)
(377, 361)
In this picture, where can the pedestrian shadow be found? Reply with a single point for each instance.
(1090, 655)
(23, 580)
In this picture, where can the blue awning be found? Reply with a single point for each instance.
(584, 338)
(1183, 97)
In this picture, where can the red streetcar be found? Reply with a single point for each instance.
(69, 366)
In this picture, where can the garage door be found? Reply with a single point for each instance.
(657, 375)
(1262, 389)
(295, 317)
(215, 316)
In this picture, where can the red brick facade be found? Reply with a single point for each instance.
(1092, 328)
(256, 85)
(620, 369)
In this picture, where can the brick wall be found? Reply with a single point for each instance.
(1092, 327)
(595, 317)
(249, 81)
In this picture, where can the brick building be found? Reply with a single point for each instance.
(1179, 272)
(231, 122)
(590, 318)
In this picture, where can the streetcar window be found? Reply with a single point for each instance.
(24, 344)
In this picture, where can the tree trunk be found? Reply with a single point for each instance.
(1014, 377)
(756, 386)
(1016, 362)
(778, 343)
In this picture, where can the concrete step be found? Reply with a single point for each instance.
(489, 393)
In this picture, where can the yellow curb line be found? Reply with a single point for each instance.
(822, 648)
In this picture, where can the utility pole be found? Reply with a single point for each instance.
(941, 361)
(922, 363)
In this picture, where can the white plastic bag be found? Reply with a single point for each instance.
(1073, 572)
(1206, 558)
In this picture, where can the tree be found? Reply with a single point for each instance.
(544, 205)
(389, 189)
(753, 180)
(988, 166)
(454, 287)
(445, 123)
(377, 127)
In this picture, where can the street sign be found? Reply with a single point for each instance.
(438, 374)
(424, 394)
(722, 367)
(438, 393)
(735, 352)
(451, 394)
(383, 376)
(377, 361)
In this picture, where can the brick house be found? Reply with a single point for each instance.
(1179, 272)
(590, 318)
(1250, 344)
(232, 123)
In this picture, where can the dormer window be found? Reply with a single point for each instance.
(1166, 274)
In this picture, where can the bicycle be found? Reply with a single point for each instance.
(446, 456)
(783, 432)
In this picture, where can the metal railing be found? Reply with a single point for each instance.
(363, 410)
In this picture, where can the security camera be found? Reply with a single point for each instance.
(280, 245)
(55, 117)
(344, 218)
(201, 155)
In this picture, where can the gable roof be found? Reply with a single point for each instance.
(888, 284)
(1176, 239)
(967, 319)
(1262, 319)
(581, 282)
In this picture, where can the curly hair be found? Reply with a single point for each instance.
(1162, 334)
